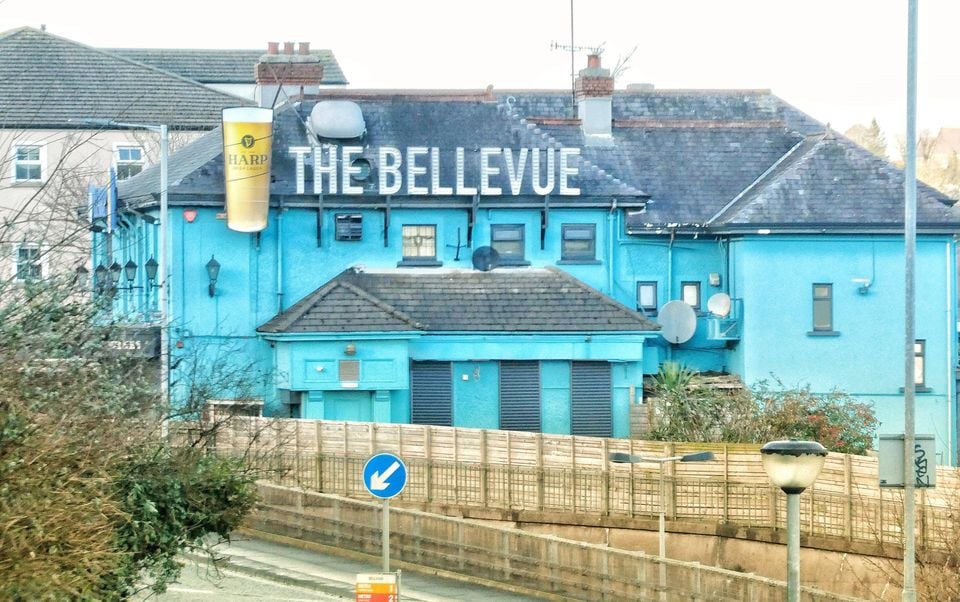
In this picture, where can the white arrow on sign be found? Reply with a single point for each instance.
(379, 482)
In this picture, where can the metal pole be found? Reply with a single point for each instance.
(793, 547)
(910, 244)
(163, 293)
(386, 535)
(573, 69)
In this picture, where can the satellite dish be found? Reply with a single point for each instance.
(486, 258)
(341, 119)
(677, 322)
(719, 305)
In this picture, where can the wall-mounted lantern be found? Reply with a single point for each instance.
(213, 272)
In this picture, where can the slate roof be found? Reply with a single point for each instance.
(50, 82)
(695, 159)
(514, 300)
(470, 121)
(830, 181)
(220, 66)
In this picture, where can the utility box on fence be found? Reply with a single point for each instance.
(924, 461)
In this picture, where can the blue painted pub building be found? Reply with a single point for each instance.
(522, 259)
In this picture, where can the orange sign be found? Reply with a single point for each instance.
(377, 587)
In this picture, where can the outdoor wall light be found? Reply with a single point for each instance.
(151, 269)
(99, 278)
(793, 466)
(130, 272)
(115, 270)
(213, 272)
(81, 276)
(350, 349)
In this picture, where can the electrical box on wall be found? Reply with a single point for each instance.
(924, 461)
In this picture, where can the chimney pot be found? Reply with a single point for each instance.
(304, 48)
(288, 47)
(272, 47)
(593, 61)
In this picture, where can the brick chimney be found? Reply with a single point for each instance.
(296, 73)
(594, 93)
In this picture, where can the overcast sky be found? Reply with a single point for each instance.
(841, 61)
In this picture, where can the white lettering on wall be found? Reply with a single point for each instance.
(390, 161)
(536, 169)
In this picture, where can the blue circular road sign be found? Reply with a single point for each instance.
(384, 475)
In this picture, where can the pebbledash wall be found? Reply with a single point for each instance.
(361, 299)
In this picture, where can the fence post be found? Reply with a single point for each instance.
(540, 476)
(672, 490)
(848, 489)
(605, 480)
(483, 468)
(631, 489)
(726, 483)
(428, 451)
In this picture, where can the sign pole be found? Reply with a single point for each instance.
(386, 536)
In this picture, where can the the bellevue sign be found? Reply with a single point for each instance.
(544, 171)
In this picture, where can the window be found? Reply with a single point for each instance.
(822, 307)
(129, 161)
(919, 363)
(507, 240)
(579, 242)
(27, 163)
(28, 263)
(647, 298)
(419, 244)
(690, 294)
(349, 226)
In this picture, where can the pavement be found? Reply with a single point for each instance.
(318, 569)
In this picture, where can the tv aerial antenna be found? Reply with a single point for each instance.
(573, 49)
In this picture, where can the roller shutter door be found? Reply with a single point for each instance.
(520, 396)
(591, 398)
(431, 393)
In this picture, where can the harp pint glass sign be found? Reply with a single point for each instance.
(247, 135)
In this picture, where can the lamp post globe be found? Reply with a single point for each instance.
(793, 466)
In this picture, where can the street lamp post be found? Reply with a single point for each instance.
(793, 466)
(163, 283)
(623, 458)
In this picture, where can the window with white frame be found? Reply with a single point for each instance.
(129, 161)
(29, 266)
(28, 162)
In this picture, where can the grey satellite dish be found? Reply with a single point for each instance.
(677, 322)
(337, 119)
(486, 258)
(719, 305)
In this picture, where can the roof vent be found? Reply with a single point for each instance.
(337, 119)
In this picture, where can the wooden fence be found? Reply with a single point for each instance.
(554, 566)
(567, 474)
